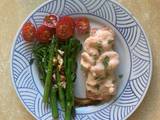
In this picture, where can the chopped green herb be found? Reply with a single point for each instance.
(95, 57)
(97, 86)
(120, 76)
(99, 47)
(106, 61)
(110, 41)
(98, 44)
(99, 78)
(81, 67)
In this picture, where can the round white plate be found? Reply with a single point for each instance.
(131, 44)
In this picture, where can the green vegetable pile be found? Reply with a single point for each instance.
(54, 90)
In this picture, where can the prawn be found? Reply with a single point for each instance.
(106, 35)
(90, 46)
(86, 60)
(100, 68)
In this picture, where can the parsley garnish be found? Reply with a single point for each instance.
(99, 46)
(97, 86)
(120, 76)
(95, 57)
(99, 78)
(110, 41)
(106, 61)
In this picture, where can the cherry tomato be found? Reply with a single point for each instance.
(65, 28)
(51, 22)
(82, 25)
(44, 34)
(68, 19)
(28, 32)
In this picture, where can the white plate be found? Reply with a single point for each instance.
(131, 44)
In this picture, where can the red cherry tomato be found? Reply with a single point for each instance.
(82, 25)
(68, 19)
(44, 34)
(51, 22)
(65, 28)
(28, 32)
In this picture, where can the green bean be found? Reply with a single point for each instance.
(40, 52)
(72, 48)
(53, 101)
(47, 86)
(60, 90)
(69, 92)
(44, 54)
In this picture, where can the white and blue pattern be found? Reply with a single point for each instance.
(141, 60)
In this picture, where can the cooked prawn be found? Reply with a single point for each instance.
(90, 46)
(99, 69)
(100, 61)
(107, 37)
(86, 60)
(113, 59)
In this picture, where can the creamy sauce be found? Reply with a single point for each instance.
(99, 61)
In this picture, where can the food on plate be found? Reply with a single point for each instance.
(82, 25)
(55, 51)
(99, 61)
(72, 49)
(68, 19)
(28, 31)
(85, 102)
(86, 60)
(57, 63)
(108, 61)
(50, 21)
(65, 28)
(44, 34)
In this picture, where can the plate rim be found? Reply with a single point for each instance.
(151, 58)
(114, 1)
